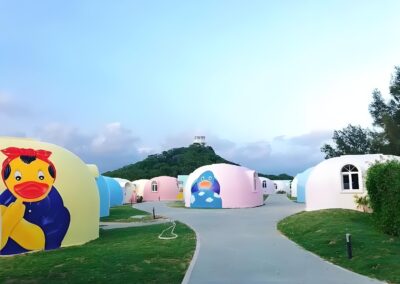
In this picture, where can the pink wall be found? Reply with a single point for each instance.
(238, 187)
(167, 189)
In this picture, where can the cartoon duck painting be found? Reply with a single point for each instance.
(205, 192)
(32, 210)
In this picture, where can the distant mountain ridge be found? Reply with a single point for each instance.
(174, 162)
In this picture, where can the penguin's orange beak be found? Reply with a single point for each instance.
(205, 184)
(31, 189)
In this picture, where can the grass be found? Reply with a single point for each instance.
(123, 213)
(176, 204)
(375, 254)
(130, 255)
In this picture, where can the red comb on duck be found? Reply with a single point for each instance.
(14, 152)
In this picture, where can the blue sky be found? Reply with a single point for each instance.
(267, 82)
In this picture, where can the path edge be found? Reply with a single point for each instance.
(189, 271)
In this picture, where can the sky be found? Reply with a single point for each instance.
(267, 82)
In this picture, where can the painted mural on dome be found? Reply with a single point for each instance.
(32, 211)
(206, 192)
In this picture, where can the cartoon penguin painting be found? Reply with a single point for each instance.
(205, 192)
(32, 210)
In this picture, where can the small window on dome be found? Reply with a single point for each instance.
(350, 178)
(154, 186)
(264, 184)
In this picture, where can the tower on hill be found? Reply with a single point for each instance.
(201, 140)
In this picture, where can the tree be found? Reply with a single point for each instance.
(386, 116)
(351, 140)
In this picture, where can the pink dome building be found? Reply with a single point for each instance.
(223, 186)
(161, 188)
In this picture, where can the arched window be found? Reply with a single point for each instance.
(264, 185)
(350, 178)
(154, 186)
(276, 186)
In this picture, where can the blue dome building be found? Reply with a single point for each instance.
(301, 185)
(116, 192)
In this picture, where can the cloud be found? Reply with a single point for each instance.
(11, 108)
(283, 154)
(110, 148)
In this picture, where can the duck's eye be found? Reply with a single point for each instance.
(18, 175)
(209, 178)
(202, 178)
(41, 175)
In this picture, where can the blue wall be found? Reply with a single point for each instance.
(104, 194)
(116, 193)
(301, 185)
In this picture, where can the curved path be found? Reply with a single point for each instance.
(243, 246)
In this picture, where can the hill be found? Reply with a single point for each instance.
(175, 161)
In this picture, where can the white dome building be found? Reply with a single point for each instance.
(333, 183)
(282, 185)
(128, 190)
(267, 185)
(139, 186)
(293, 187)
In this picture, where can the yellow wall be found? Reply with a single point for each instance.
(76, 185)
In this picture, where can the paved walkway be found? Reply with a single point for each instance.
(243, 246)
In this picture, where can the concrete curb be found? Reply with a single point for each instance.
(189, 271)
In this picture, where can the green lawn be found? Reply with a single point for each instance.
(375, 254)
(123, 213)
(130, 255)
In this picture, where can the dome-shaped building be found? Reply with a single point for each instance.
(267, 185)
(139, 185)
(333, 183)
(163, 188)
(128, 190)
(54, 189)
(116, 192)
(104, 193)
(302, 179)
(282, 185)
(293, 186)
(223, 186)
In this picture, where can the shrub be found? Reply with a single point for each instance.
(383, 185)
(362, 203)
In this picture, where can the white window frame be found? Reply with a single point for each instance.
(264, 184)
(349, 173)
(154, 186)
